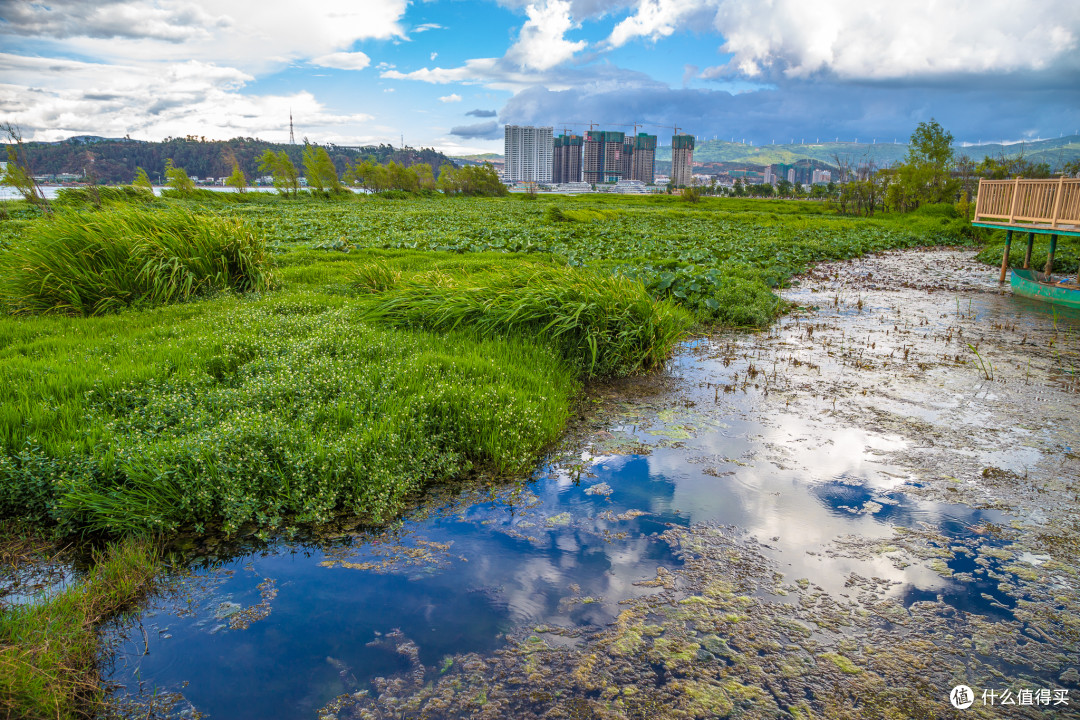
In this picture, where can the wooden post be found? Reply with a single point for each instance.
(1049, 269)
(1030, 246)
(1015, 197)
(1005, 256)
(1057, 201)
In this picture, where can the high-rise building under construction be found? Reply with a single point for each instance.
(682, 160)
(643, 160)
(567, 159)
(609, 157)
(602, 156)
(528, 153)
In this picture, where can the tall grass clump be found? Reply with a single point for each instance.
(90, 263)
(601, 324)
(49, 649)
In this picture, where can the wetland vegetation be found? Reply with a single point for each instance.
(253, 365)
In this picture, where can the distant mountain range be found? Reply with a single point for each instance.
(493, 158)
(1055, 152)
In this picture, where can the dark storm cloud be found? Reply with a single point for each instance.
(813, 111)
(482, 113)
(485, 131)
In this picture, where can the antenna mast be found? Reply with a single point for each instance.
(292, 136)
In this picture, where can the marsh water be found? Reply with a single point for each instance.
(895, 459)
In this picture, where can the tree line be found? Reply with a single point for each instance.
(114, 161)
(321, 176)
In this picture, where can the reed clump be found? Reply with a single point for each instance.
(92, 263)
(602, 324)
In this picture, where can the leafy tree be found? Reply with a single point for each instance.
(471, 180)
(321, 173)
(17, 174)
(286, 176)
(237, 179)
(177, 179)
(142, 181)
(425, 177)
(931, 144)
(1003, 167)
(926, 175)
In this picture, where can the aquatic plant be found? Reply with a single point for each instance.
(97, 262)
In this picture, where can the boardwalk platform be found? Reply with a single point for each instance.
(1037, 207)
(1046, 207)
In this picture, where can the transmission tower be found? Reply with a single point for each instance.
(292, 136)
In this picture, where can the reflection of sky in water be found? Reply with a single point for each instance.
(559, 555)
(559, 562)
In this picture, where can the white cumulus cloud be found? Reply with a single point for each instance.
(343, 61)
(542, 42)
(242, 33)
(61, 98)
(451, 98)
(860, 39)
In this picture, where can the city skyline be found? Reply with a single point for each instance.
(451, 75)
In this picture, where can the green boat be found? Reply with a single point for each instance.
(1036, 285)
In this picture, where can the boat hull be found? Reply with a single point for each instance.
(1030, 283)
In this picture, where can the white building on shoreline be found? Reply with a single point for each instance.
(529, 153)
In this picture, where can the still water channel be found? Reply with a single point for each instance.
(740, 431)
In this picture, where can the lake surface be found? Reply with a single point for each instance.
(821, 447)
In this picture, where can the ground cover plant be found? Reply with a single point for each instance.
(319, 396)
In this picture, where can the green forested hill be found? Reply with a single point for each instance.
(113, 160)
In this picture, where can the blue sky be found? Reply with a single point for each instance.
(450, 73)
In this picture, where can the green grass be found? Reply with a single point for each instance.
(48, 650)
(1066, 254)
(91, 263)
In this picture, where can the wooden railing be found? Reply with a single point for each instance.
(1051, 204)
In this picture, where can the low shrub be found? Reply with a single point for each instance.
(89, 263)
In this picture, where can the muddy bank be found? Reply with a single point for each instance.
(844, 517)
